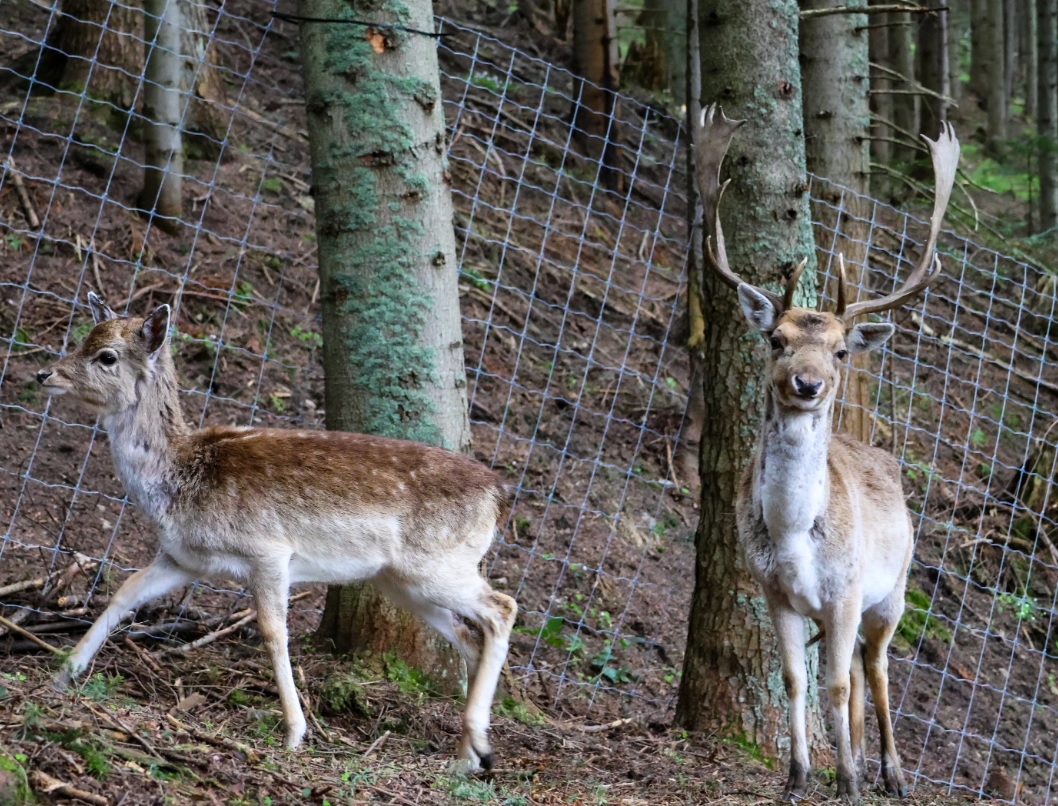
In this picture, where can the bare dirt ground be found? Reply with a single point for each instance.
(156, 726)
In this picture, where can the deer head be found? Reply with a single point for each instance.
(116, 356)
(808, 346)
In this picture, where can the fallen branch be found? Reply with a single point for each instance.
(47, 785)
(381, 740)
(24, 585)
(13, 627)
(617, 723)
(23, 195)
(185, 649)
(896, 8)
(218, 741)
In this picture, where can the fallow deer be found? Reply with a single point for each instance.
(276, 507)
(821, 517)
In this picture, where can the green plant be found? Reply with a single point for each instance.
(310, 338)
(1023, 607)
(100, 687)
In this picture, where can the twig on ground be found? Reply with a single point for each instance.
(46, 784)
(185, 649)
(23, 195)
(381, 740)
(116, 723)
(218, 741)
(13, 627)
(24, 585)
(617, 723)
(145, 656)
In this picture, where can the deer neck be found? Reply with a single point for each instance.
(792, 468)
(145, 438)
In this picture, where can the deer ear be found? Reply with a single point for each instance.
(155, 329)
(757, 308)
(101, 312)
(868, 336)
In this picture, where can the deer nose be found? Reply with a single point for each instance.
(806, 389)
(43, 375)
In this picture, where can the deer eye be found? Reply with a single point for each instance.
(775, 343)
(108, 358)
(841, 355)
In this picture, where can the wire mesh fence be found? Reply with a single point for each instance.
(571, 284)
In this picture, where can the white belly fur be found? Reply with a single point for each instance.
(796, 569)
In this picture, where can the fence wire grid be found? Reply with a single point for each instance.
(572, 299)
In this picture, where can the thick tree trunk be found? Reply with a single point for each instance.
(1047, 112)
(163, 107)
(392, 351)
(979, 48)
(905, 102)
(732, 674)
(932, 54)
(595, 84)
(834, 73)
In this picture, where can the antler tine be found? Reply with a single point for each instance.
(945, 153)
(712, 137)
(839, 307)
(791, 285)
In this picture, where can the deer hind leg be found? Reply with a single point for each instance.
(841, 626)
(790, 631)
(271, 590)
(879, 624)
(157, 579)
(493, 614)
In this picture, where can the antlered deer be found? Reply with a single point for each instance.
(276, 507)
(821, 517)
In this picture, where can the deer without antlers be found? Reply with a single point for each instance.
(276, 507)
(821, 517)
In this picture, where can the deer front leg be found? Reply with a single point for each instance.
(271, 590)
(790, 630)
(842, 624)
(157, 579)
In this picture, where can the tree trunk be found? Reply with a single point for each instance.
(881, 100)
(905, 102)
(957, 29)
(834, 73)
(595, 85)
(1010, 51)
(932, 56)
(732, 673)
(163, 111)
(1047, 112)
(1030, 57)
(992, 76)
(979, 49)
(393, 354)
(211, 113)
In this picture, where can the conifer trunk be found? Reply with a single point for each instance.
(393, 353)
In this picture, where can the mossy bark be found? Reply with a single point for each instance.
(834, 71)
(392, 349)
(732, 674)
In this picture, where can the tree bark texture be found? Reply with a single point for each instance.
(163, 107)
(595, 84)
(732, 674)
(393, 353)
(957, 29)
(835, 75)
(1030, 57)
(992, 75)
(979, 47)
(1047, 112)
(905, 101)
(881, 100)
(932, 55)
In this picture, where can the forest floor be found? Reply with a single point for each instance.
(151, 725)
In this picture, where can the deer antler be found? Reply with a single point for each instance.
(712, 137)
(945, 153)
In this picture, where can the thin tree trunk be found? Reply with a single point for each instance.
(932, 54)
(992, 74)
(392, 351)
(595, 85)
(1030, 57)
(980, 47)
(732, 669)
(163, 108)
(1010, 50)
(905, 102)
(1047, 112)
(881, 100)
(834, 73)
(957, 30)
